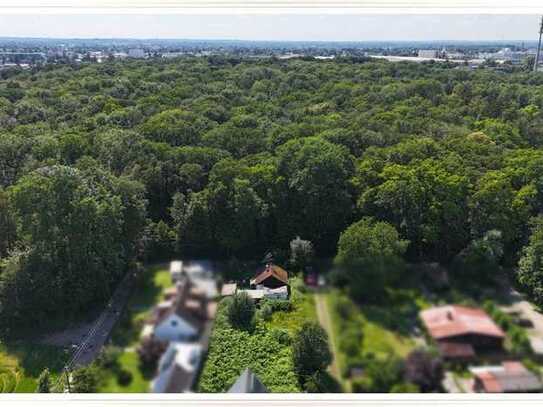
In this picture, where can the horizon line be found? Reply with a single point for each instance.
(260, 40)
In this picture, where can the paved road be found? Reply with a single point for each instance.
(326, 322)
(87, 340)
(97, 337)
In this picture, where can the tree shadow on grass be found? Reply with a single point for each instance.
(33, 358)
(142, 299)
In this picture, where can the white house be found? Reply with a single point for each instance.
(177, 368)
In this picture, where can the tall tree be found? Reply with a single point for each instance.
(310, 350)
(530, 267)
(79, 229)
(370, 256)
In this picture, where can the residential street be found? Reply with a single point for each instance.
(88, 339)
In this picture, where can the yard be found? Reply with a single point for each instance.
(266, 349)
(369, 329)
(148, 292)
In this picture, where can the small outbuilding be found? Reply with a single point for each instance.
(271, 276)
(509, 377)
(228, 289)
(460, 332)
(176, 270)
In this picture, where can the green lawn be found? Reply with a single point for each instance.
(303, 310)
(22, 363)
(129, 362)
(149, 291)
(382, 330)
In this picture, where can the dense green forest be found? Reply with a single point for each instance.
(223, 157)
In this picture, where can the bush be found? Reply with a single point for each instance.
(281, 336)
(310, 350)
(44, 382)
(241, 311)
(321, 382)
(265, 312)
(149, 352)
(424, 370)
(405, 388)
(520, 343)
(382, 374)
(362, 385)
(124, 377)
(350, 341)
(85, 380)
(109, 358)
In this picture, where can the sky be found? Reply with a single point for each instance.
(275, 27)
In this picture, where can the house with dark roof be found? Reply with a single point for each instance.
(509, 377)
(248, 382)
(270, 276)
(461, 332)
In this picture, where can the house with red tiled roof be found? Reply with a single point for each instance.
(509, 377)
(270, 276)
(460, 332)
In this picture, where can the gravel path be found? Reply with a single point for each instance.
(326, 322)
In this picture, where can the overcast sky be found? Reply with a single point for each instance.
(275, 27)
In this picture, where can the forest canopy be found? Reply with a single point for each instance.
(224, 157)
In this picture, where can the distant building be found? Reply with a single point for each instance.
(136, 53)
(177, 368)
(428, 53)
(248, 382)
(460, 332)
(510, 377)
(173, 54)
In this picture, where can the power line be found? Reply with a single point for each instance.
(90, 334)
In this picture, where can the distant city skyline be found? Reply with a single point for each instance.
(276, 27)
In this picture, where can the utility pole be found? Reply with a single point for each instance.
(67, 374)
(536, 62)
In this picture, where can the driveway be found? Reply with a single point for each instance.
(527, 310)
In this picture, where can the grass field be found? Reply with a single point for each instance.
(303, 305)
(21, 364)
(383, 330)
